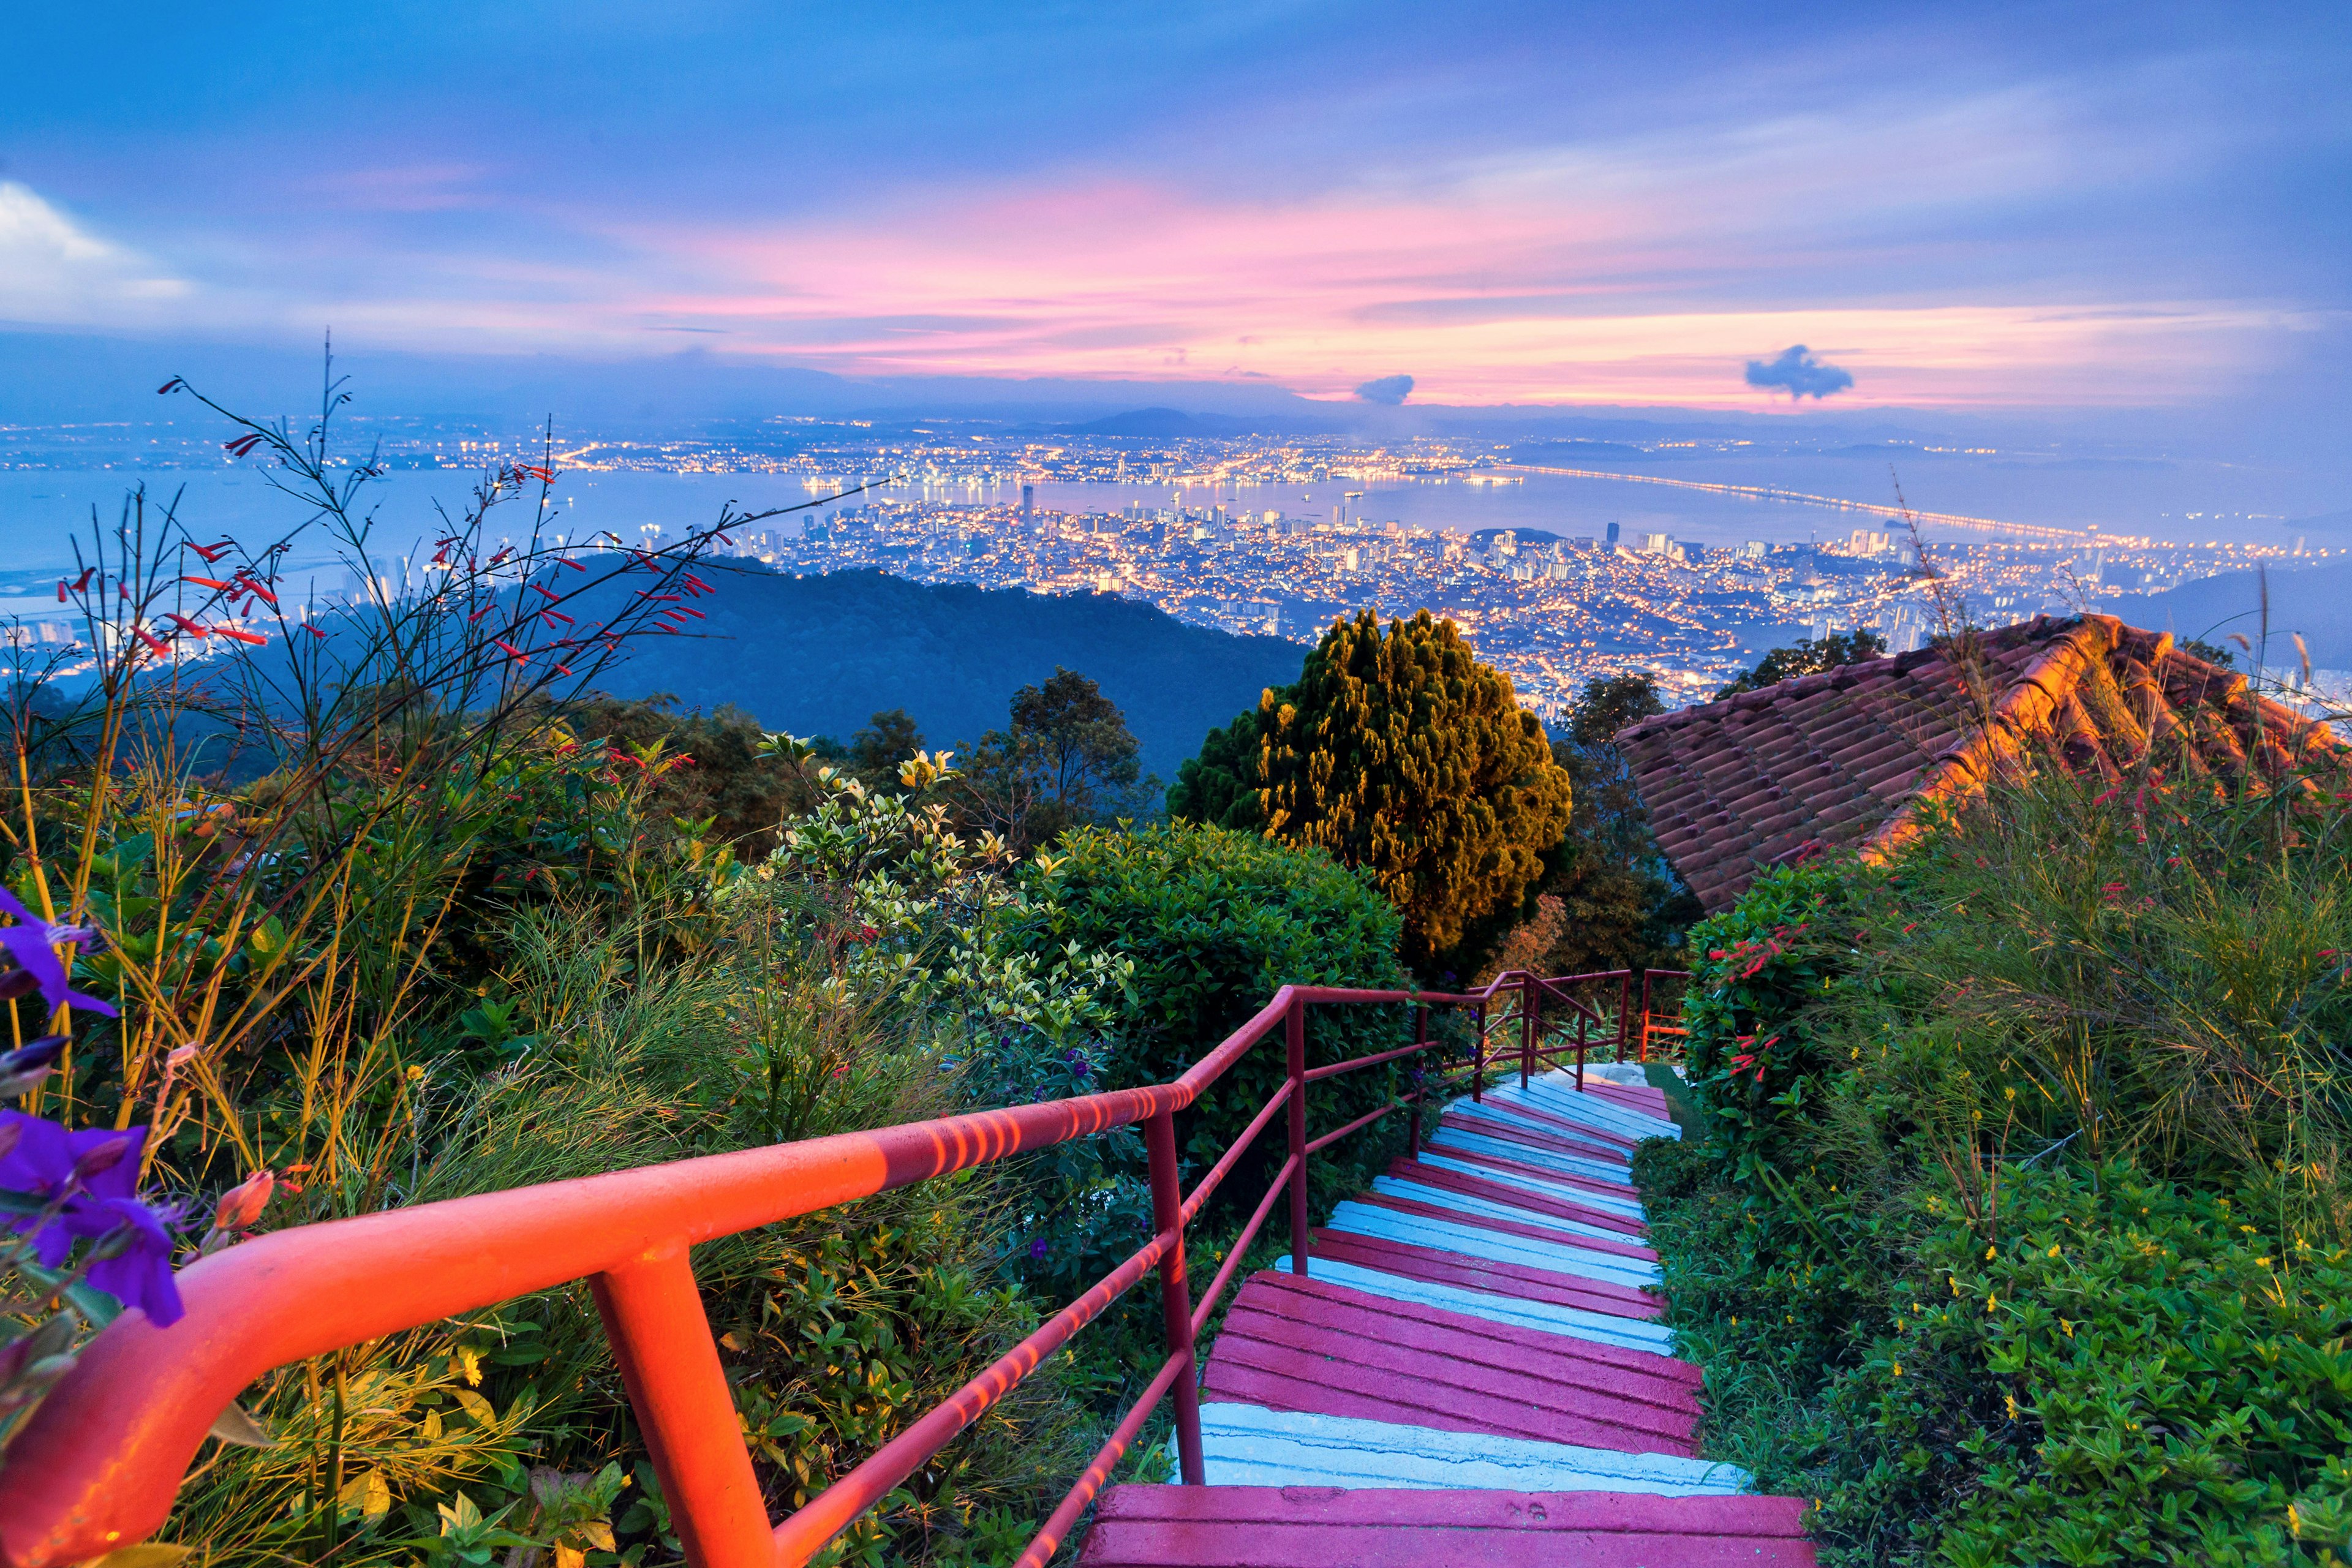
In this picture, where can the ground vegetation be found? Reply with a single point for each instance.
(2020, 1231)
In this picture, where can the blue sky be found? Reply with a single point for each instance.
(1991, 208)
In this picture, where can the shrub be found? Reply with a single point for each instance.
(1215, 921)
(2018, 1234)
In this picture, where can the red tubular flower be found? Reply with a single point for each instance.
(551, 616)
(698, 615)
(61, 590)
(316, 632)
(255, 638)
(211, 553)
(82, 582)
(193, 628)
(212, 582)
(477, 615)
(172, 385)
(513, 652)
(550, 597)
(240, 1207)
(241, 447)
(563, 669)
(149, 638)
(258, 592)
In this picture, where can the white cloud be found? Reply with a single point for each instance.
(53, 270)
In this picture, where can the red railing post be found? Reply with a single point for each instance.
(1624, 1010)
(1294, 1030)
(1581, 1021)
(1644, 1054)
(1530, 1027)
(661, 1338)
(1421, 1079)
(1478, 1059)
(1175, 1294)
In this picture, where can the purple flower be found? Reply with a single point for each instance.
(1038, 1248)
(32, 942)
(140, 1275)
(91, 1178)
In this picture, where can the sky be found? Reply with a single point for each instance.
(2079, 208)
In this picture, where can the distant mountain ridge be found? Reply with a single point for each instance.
(2316, 602)
(1168, 424)
(820, 655)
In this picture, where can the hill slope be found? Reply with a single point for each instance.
(820, 655)
(2316, 602)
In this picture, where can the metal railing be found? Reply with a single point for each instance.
(97, 1465)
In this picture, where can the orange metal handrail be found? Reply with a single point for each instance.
(98, 1463)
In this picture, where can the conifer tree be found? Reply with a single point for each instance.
(1220, 786)
(1404, 756)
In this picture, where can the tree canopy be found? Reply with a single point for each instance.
(1404, 756)
(1065, 757)
(1220, 787)
(1807, 657)
(1622, 905)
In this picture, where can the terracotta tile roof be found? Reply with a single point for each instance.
(1847, 756)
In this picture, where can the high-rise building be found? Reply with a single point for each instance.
(1028, 502)
(1612, 534)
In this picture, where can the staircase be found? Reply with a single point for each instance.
(1471, 1371)
(1466, 1366)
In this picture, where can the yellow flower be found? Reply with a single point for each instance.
(1987, 1255)
(1990, 1302)
(2054, 1251)
(1899, 1369)
(2068, 1327)
(2012, 1400)
(470, 1365)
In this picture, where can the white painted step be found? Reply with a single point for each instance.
(1599, 1327)
(1541, 1159)
(1463, 1203)
(1594, 1168)
(1248, 1445)
(1629, 1206)
(1494, 1247)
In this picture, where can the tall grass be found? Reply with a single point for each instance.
(2020, 1229)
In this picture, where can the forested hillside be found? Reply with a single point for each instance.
(822, 655)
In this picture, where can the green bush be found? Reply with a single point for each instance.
(1215, 923)
(2019, 1230)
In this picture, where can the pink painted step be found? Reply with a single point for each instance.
(1505, 1227)
(1324, 1527)
(1514, 1279)
(1646, 1376)
(1287, 1350)
(1517, 1197)
(1642, 1097)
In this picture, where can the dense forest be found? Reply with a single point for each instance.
(819, 655)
